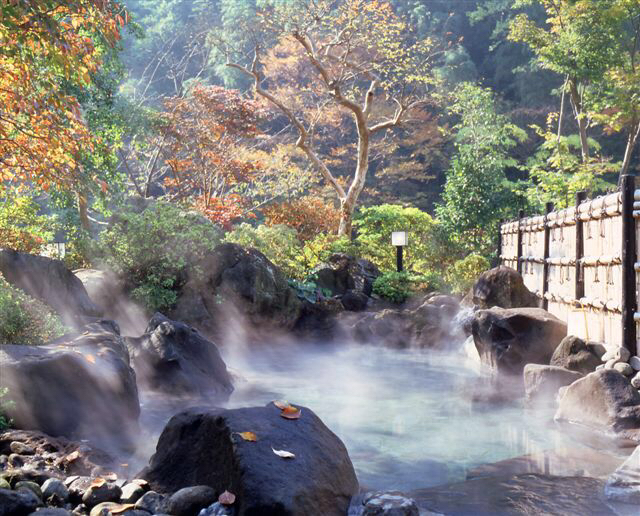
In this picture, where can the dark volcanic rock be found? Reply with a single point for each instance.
(354, 301)
(575, 354)
(542, 382)
(189, 501)
(343, 273)
(508, 339)
(502, 287)
(603, 401)
(18, 503)
(50, 281)
(80, 386)
(527, 494)
(258, 290)
(175, 358)
(202, 447)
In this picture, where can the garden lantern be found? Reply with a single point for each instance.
(399, 239)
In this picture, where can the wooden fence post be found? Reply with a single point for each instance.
(579, 269)
(498, 260)
(519, 262)
(629, 295)
(545, 266)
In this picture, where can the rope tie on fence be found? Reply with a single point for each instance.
(609, 274)
(602, 235)
(586, 320)
(588, 222)
(564, 221)
(597, 279)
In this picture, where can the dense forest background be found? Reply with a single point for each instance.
(482, 108)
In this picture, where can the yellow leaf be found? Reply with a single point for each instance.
(248, 436)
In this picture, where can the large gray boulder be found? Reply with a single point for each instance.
(623, 485)
(243, 278)
(49, 281)
(603, 401)
(575, 354)
(80, 386)
(175, 358)
(508, 339)
(204, 447)
(502, 287)
(430, 325)
(542, 382)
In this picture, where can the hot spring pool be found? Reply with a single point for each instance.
(406, 417)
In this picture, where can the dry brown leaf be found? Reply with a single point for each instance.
(248, 436)
(291, 412)
(281, 404)
(283, 453)
(98, 482)
(227, 498)
(122, 508)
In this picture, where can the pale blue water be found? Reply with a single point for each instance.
(406, 417)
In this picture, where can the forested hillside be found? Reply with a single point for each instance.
(282, 120)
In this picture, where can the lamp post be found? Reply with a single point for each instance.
(399, 239)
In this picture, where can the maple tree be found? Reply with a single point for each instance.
(360, 60)
(309, 216)
(202, 132)
(47, 46)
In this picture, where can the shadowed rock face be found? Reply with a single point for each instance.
(603, 401)
(542, 382)
(508, 339)
(258, 290)
(175, 358)
(502, 287)
(202, 447)
(51, 282)
(80, 386)
(575, 354)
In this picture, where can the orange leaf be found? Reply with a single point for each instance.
(98, 482)
(291, 412)
(281, 404)
(90, 358)
(226, 498)
(248, 436)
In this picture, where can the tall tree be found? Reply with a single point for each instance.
(361, 58)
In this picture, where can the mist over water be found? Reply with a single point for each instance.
(406, 416)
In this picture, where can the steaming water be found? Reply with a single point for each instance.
(407, 418)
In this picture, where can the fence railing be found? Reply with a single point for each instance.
(581, 262)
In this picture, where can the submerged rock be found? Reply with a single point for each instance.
(623, 485)
(18, 503)
(575, 354)
(388, 504)
(603, 401)
(508, 339)
(50, 281)
(175, 358)
(203, 447)
(502, 287)
(189, 501)
(541, 382)
(80, 386)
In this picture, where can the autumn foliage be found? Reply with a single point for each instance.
(203, 132)
(309, 216)
(47, 47)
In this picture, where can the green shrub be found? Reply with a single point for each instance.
(21, 228)
(374, 226)
(156, 249)
(463, 273)
(5, 422)
(24, 320)
(397, 287)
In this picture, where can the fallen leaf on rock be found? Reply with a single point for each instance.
(122, 508)
(98, 482)
(90, 358)
(248, 436)
(283, 453)
(281, 404)
(291, 412)
(227, 498)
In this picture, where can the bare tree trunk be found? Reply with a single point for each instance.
(576, 102)
(632, 140)
(561, 116)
